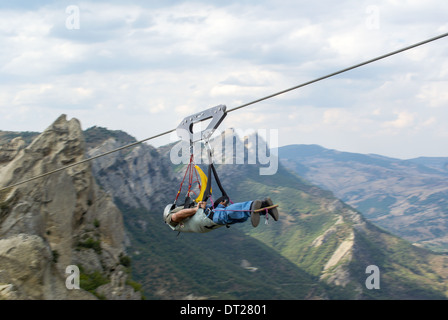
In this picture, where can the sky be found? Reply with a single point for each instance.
(142, 66)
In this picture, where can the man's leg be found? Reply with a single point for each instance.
(238, 212)
(233, 213)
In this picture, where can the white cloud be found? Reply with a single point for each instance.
(404, 119)
(434, 94)
(142, 67)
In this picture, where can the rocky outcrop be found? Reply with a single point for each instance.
(28, 271)
(9, 150)
(58, 220)
(140, 177)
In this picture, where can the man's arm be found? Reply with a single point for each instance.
(185, 213)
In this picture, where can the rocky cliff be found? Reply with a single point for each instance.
(327, 241)
(57, 221)
(139, 177)
(319, 249)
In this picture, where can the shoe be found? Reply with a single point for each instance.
(255, 216)
(267, 202)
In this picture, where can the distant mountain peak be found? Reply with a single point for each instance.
(96, 135)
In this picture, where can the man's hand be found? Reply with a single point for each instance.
(185, 213)
(202, 204)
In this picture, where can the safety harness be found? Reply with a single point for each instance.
(201, 221)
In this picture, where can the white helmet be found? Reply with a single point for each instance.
(167, 211)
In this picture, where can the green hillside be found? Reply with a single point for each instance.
(288, 265)
(405, 197)
(407, 272)
(319, 249)
(209, 266)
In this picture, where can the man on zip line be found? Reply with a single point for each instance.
(204, 218)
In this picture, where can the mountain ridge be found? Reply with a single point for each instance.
(403, 196)
(319, 249)
(319, 234)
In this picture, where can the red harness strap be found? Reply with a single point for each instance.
(191, 172)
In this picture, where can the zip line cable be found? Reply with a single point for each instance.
(341, 71)
(85, 160)
(235, 108)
